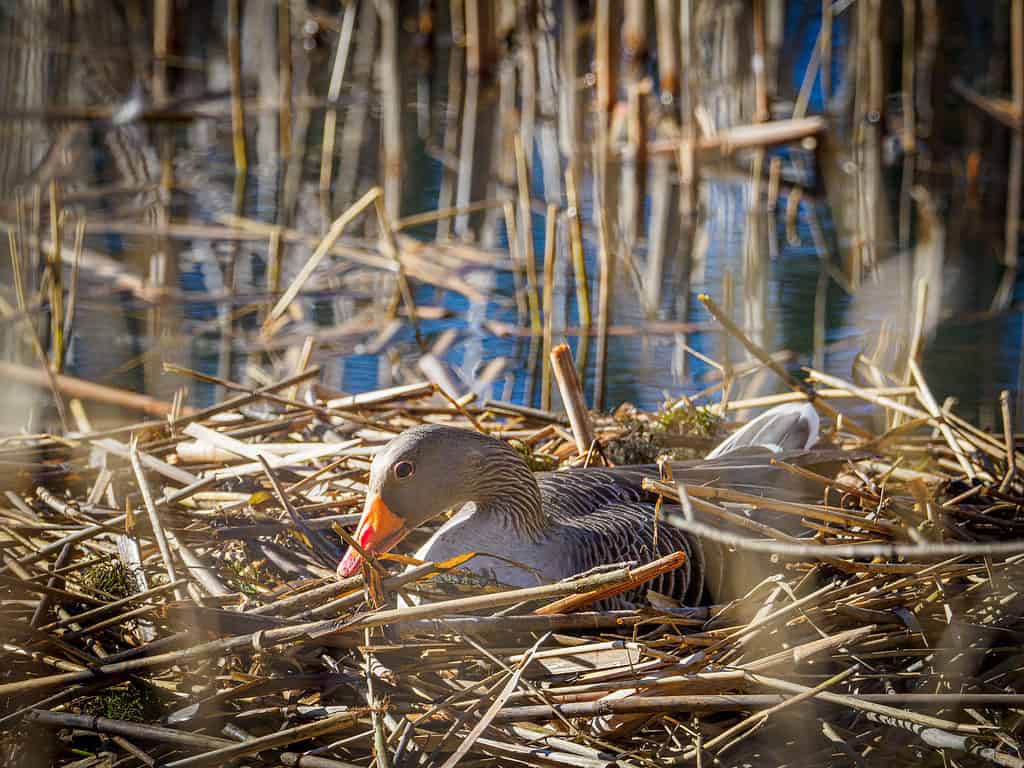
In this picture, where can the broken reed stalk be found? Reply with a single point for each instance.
(627, 682)
(781, 372)
(88, 390)
(154, 518)
(42, 609)
(428, 217)
(1011, 450)
(183, 739)
(640, 575)
(318, 630)
(759, 719)
(572, 397)
(234, 387)
(496, 705)
(33, 334)
(928, 401)
(387, 236)
(271, 741)
(336, 231)
(440, 702)
(893, 715)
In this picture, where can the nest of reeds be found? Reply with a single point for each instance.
(175, 602)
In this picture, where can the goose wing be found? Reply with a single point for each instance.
(604, 516)
(628, 531)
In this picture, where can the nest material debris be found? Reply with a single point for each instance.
(832, 660)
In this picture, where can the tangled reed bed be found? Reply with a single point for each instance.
(168, 597)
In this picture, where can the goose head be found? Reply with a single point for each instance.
(430, 469)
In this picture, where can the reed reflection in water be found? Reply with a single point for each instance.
(846, 188)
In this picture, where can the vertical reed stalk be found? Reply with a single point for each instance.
(391, 98)
(1011, 452)
(273, 276)
(547, 103)
(633, 175)
(572, 397)
(688, 175)
(516, 252)
(550, 253)
(1017, 53)
(668, 56)
(526, 235)
(387, 235)
(1013, 201)
(445, 197)
(161, 40)
(605, 283)
(284, 53)
(825, 46)
(907, 70)
(69, 313)
(762, 112)
(569, 128)
(820, 305)
(235, 63)
(36, 223)
(352, 135)
(333, 94)
(467, 146)
(527, 78)
(1013, 198)
(634, 35)
(56, 270)
(579, 264)
(909, 137)
(605, 63)
(663, 223)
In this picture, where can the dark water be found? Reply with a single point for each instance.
(790, 289)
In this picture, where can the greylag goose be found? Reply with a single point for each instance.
(531, 528)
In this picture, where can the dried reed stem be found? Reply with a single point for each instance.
(572, 397)
(234, 21)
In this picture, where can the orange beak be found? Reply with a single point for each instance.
(379, 530)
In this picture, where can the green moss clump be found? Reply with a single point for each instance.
(246, 573)
(111, 577)
(688, 421)
(134, 702)
(636, 444)
(677, 432)
(537, 462)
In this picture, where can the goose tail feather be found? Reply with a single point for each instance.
(791, 426)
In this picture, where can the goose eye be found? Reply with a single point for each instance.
(404, 470)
